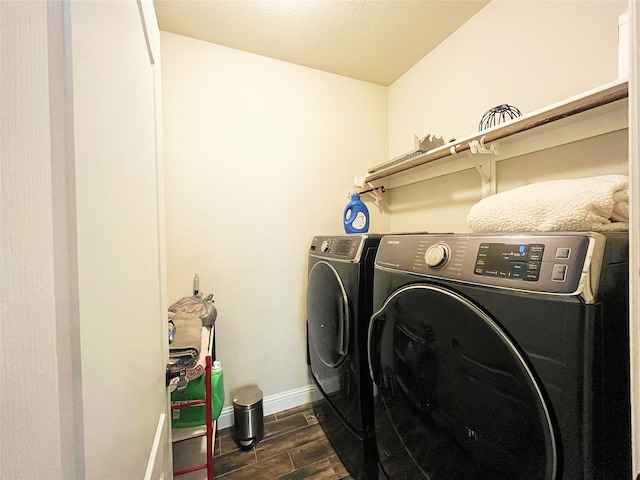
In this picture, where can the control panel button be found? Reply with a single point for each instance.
(562, 253)
(436, 255)
(516, 270)
(559, 273)
(531, 276)
(535, 252)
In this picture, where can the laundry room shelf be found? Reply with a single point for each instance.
(596, 112)
(208, 430)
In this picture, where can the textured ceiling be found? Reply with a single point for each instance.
(371, 40)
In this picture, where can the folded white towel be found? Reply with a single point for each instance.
(598, 203)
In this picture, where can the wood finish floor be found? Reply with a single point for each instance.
(294, 447)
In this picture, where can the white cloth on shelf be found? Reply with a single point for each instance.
(599, 203)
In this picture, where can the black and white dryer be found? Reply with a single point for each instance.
(502, 356)
(339, 299)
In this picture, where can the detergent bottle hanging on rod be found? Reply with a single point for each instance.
(356, 216)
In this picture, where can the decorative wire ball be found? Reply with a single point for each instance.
(501, 113)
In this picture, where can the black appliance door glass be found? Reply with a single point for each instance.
(327, 314)
(456, 398)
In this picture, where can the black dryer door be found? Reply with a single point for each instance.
(456, 399)
(328, 319)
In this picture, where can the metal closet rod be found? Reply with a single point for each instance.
(572, 106)
(381, 188)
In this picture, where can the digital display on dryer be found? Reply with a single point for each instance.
(512, 261)
(513, 252)
(342, 247)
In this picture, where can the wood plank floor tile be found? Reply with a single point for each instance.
(339, 467)
(321, 470)
(311, 452)
(284, 426)
(293, 411)
(227, 445)
(233, 461)
(289, 441)
(270, 418)
(217, 446)
(310, 416)
(269, 469)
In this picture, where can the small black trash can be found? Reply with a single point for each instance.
(247, 416)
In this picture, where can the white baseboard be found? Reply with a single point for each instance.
(275, 403)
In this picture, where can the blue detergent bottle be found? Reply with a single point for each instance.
(356, 216)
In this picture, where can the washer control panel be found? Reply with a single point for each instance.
(520, 261)
(546, 262)
(344, 247)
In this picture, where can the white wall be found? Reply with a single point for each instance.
(259, 157)
(85, 345)
(529, 54)
(41, 429)
(120, 268)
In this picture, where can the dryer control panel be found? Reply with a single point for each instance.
(344, 247)
(520, 261)
(552, 263)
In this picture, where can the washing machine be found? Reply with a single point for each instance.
(339, 299)
(502, 356)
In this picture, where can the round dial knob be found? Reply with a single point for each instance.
(436, 255)
(324, 246)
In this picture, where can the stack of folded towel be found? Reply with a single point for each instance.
(595, 204)
(185, 347)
